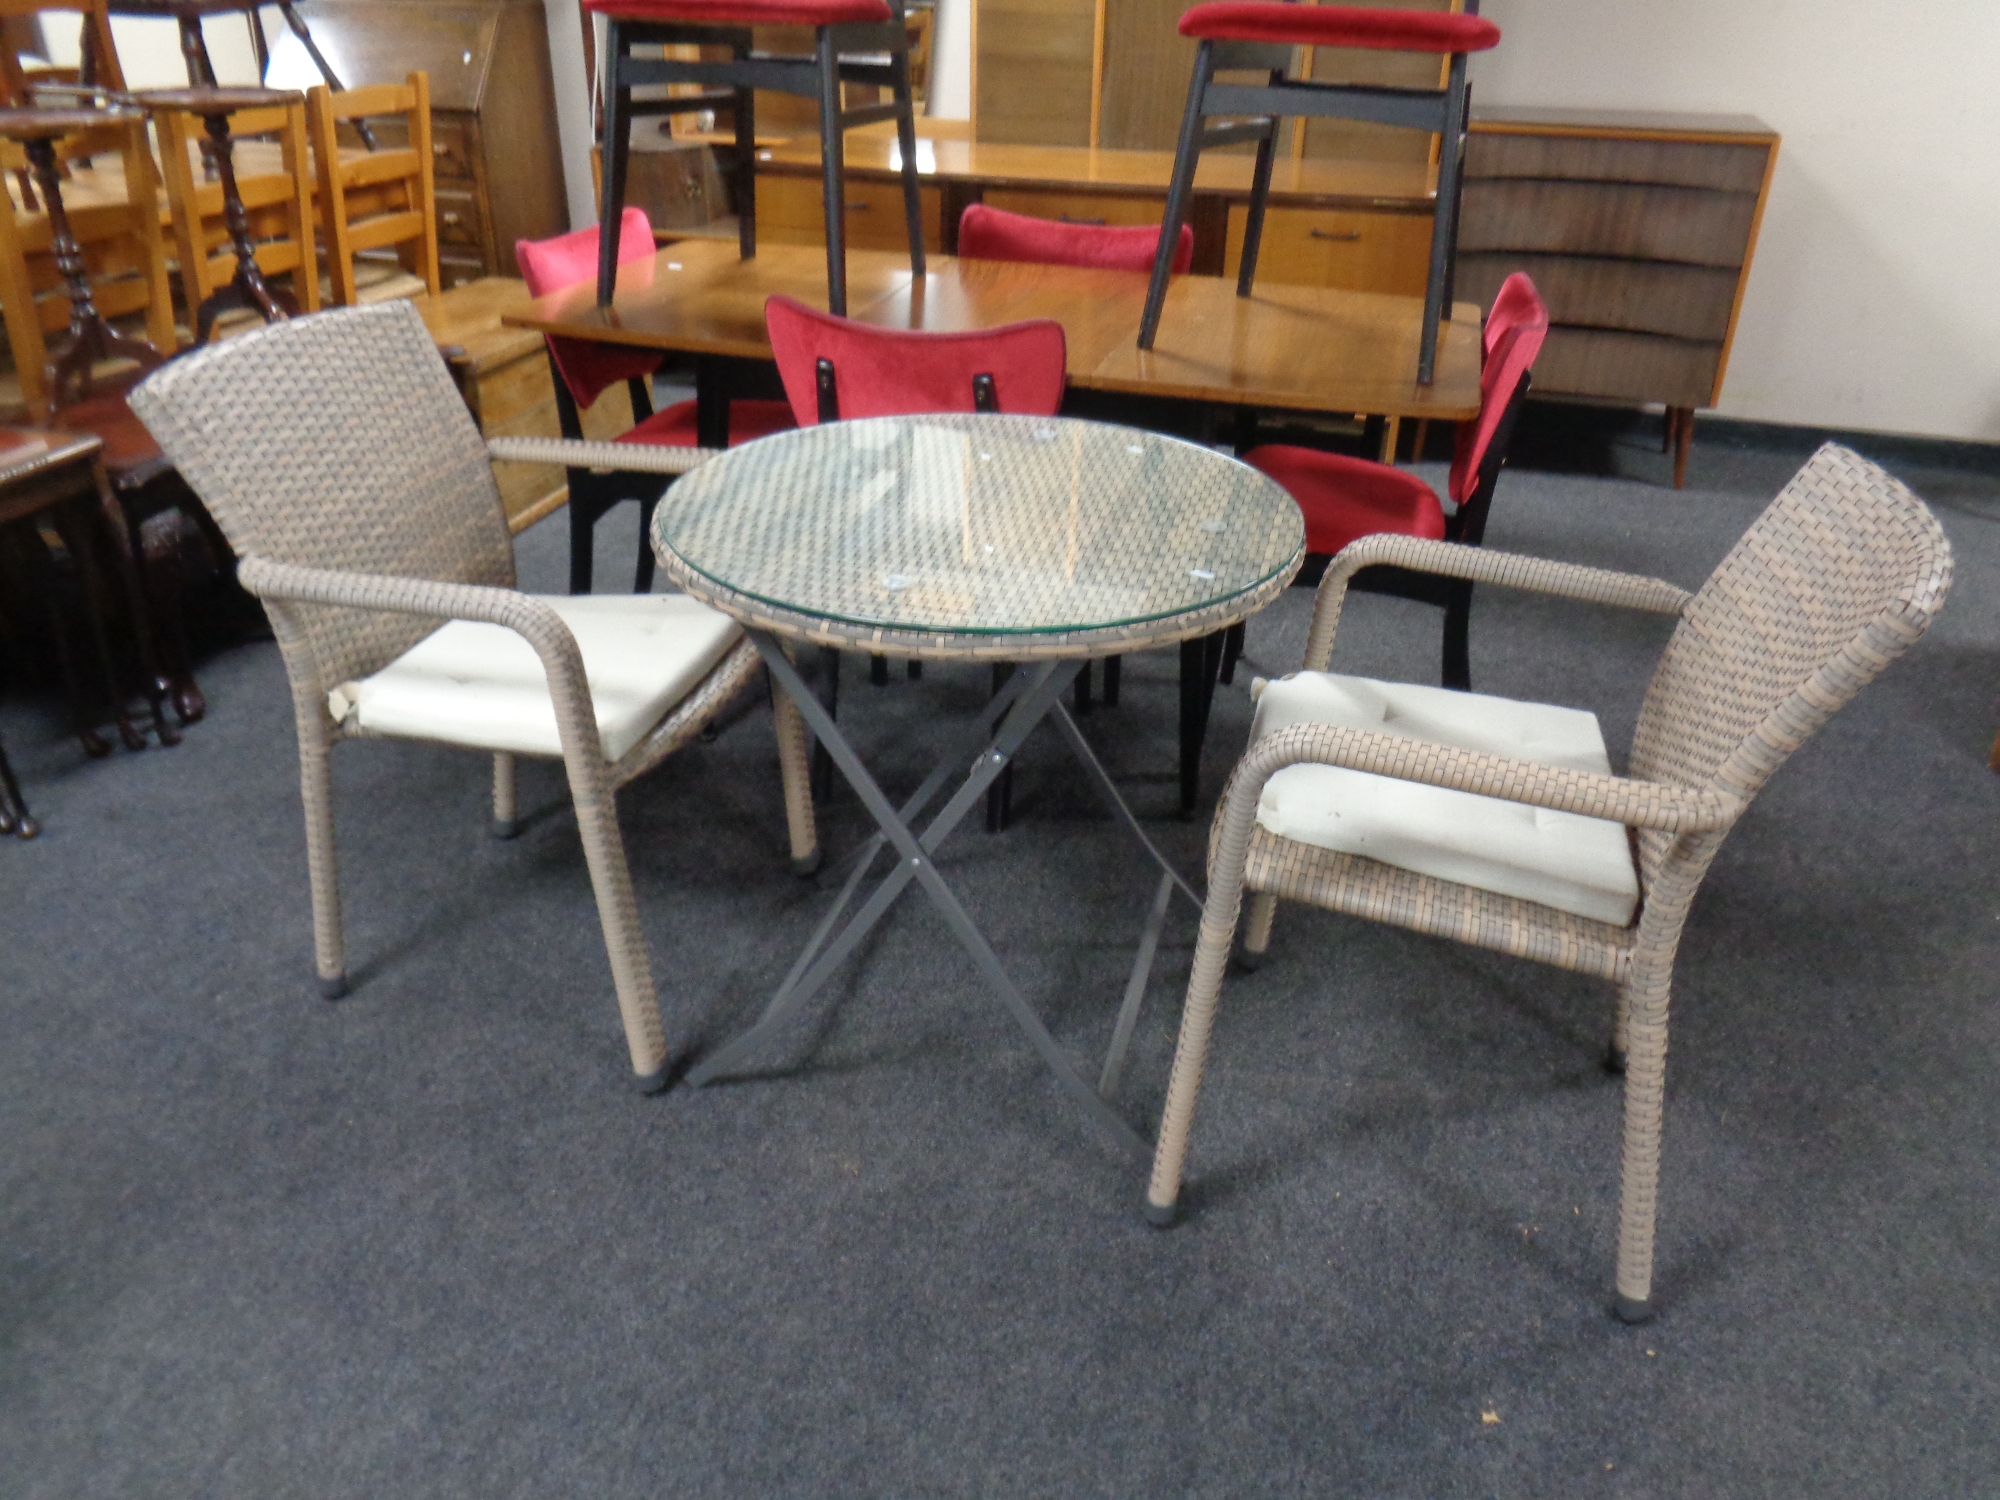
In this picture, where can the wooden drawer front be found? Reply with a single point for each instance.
(456, 268)
(788, 212)
(457, 218)
(1644, 296)
(1359, 252)
(1602, 218)
(1700, 164)
(454, 148)
(1081, 208)
(1627, 366)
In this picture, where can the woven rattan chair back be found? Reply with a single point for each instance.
(336, 441)
(1842, 572)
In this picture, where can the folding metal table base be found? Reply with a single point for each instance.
(983, 750)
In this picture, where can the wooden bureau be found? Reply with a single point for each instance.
(493, 113)
(1638, 229)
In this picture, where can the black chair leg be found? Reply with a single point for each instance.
(878, 671)
(1113, 670)
(833, 187)
(1457, 648)
(617, 146)
(913, 669)
(642, 575)
(746, 168)
(1179, 194)
(582, 536)
(1232, 651)
(1201, 660)
(1082, 687)
(906, 144)
(1260, 193)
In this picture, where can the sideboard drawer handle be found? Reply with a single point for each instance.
(1066, 219)
(855, 208)
(1347, 237)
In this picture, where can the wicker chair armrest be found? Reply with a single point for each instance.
(572, 453)
(1478, 565)
(1620, 799)
(526, 616)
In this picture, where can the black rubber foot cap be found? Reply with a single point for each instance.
(1614, 1062)
(506, 828)
(1161, 1215)
(1631, 1310)
(651, 1083)
(1248, 959)
(808, 866)
(334, 988)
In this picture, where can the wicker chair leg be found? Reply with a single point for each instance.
(618, 910)
(316, 792)
(1621, 1024)
(1257, 930)
(506, 822)
(795, 768)
(1211, 957)
(1645, 1088)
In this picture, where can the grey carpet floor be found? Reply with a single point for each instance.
(424, 1242)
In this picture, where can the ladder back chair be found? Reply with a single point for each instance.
(336, 453)
(375, 199)
(1418, 806)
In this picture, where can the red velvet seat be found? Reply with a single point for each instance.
(1339, 26)
(1256, 36)
(1347, 498)
(585, 370)
(995, 234)
(854, 41)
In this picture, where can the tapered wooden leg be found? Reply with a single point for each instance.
(1683, 440)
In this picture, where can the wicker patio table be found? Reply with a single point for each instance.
(1038, 541)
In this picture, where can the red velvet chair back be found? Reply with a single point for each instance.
(549, 265)
(891, 372)
(994, 234)
(1515, 328)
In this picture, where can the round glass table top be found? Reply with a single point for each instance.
(1003, 535)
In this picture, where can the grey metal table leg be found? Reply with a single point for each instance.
(1042, 692)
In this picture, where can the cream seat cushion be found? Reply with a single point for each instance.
(1575, 864)
(469, 683)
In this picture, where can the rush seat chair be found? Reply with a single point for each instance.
(336, 454)
(1500, 824)
(584, 370)
(833, 368)
(1259, 35)
(1347, 498)
(855, 41)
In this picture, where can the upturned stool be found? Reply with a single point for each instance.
(841, 29)
(1258, 36)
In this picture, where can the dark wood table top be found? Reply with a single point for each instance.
(1298, 348)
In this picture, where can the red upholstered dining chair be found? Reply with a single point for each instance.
(1258, 36)
(995, 234)
(584, 371)
(834, 368)
(1345, 498)
(854, 41)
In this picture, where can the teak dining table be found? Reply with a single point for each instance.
(1293, 348)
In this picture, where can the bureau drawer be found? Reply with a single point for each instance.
(1603, 218)
(788, 213)
(1352, 250)
(1627, 366)
(1643, 296)
(457, 267)
(457, 218)
(1081, 208)
(454, 148)
(1720, 166)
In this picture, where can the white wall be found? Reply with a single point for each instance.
(1871, 301)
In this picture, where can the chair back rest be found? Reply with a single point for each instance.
(99, 55)
(372, 200)
(336, 441)
(549, 265)
(116, 224)
(1515, 329)
(836, 367)
(1838, 576)
(277, 204)
(994, 234)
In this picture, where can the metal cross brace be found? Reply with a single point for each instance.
(981, 752)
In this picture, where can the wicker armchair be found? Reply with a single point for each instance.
(1842, 572)
(348, 476)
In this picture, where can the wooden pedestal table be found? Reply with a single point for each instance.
(1036, 541)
